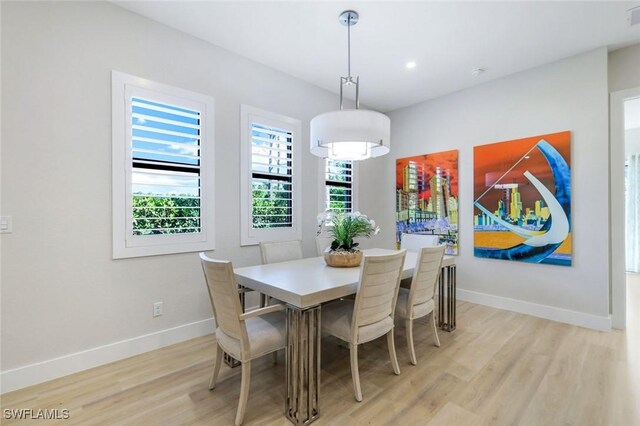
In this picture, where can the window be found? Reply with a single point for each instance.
(270, 177)
(338, 185)
(338, 180)
(162, 168)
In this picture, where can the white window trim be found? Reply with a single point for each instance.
(249, 235)
(125, 245)
(322, 186)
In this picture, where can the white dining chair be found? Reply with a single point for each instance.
(414, 242)
(371, 314)
(322, 243)
(245, 336)
(280, 251)
(419, 300)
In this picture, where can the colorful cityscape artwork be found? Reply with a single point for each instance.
(427, 197)
(522, 199)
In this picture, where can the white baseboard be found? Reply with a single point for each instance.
(542, 311)
(32, 374)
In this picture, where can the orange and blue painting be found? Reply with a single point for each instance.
(522, 199)
(427, 197)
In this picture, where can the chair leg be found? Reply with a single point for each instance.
(355, 375)
(244, 391)
(435, 328)
(392, 352)
(412, 350)
(216, 367)
(263, 300)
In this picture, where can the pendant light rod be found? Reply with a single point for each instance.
(349, 47)
(349, 18)
(358, 92)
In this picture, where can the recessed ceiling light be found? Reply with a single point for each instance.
(411, 65)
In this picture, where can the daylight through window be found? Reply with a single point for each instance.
(339, 185)
(270, 184)
(271, 177)
(165, 179)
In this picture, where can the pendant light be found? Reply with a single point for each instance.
(350, 134)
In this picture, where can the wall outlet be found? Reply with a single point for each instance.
(157, 309)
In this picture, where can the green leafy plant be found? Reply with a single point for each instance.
(345, 228)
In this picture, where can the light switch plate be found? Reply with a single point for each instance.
(6, 224)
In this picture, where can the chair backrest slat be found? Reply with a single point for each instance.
(378, 288)
(223, 292)
(322, 243)
(280, 251)
(425, 276)
(414, 242)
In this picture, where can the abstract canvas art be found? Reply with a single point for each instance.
(427, 197)
(522, 199)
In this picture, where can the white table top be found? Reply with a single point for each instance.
(308, 282)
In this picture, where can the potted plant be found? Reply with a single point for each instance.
(344, 228)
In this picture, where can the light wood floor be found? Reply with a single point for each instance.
(497, 368)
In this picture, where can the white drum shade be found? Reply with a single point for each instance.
(350, 134)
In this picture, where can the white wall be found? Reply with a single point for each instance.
(624, 68)
(567, 95)
(61, 291)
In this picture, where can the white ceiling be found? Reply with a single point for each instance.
(447, 40)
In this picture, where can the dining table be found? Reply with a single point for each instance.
(304, 285)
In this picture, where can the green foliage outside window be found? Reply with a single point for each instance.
(341, 175)
(338, 199)
(165, 215)
(271, 205)
(339, 196)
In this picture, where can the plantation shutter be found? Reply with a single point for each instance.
(166, 168)
(271, 177)
(339, 185)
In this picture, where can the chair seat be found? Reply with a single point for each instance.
(266, 334)
(419, 311)
(336, 320)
